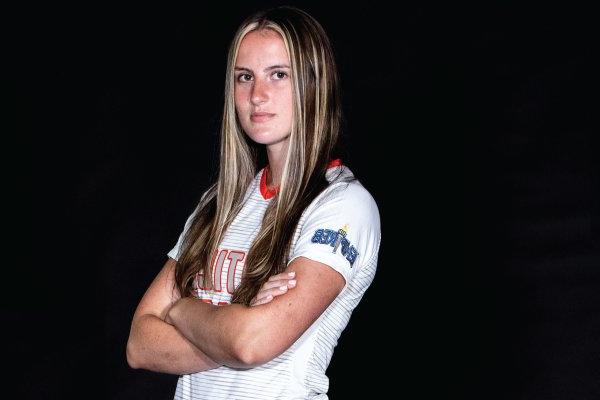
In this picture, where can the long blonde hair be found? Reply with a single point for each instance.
(313, 142)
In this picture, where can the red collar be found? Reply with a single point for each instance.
(269, 193)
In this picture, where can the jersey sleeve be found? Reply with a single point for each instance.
(342, 229)
(174, 252)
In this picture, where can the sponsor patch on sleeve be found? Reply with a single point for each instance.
(337, 240)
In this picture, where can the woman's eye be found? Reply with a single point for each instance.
(242, 77)
(280, 75)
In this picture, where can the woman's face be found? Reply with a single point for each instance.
(263, 88)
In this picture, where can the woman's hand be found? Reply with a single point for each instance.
(275, 286)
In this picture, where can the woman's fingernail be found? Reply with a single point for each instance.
(269, 297)
(292, 282)
(291, 274)
(283, 288)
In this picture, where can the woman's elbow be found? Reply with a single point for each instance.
(136, 347)
(132, 355)
(245, 357)
(253, 353)
(136, 350)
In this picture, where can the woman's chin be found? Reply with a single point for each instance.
(267, 138)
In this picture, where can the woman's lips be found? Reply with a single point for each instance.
(261, 117)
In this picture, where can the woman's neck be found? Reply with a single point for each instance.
(276, 154)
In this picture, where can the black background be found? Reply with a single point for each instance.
(471, 126)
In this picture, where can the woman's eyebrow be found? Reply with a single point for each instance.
(266, 69)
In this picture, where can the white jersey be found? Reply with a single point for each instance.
(340, 228)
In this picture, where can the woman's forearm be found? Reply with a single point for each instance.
(218, 331)
(243, 337)
(158, 346)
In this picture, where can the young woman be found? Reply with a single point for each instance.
(274, 259)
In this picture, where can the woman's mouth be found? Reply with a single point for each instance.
(261, 117)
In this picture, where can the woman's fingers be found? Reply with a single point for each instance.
(276, 290)
(278, 283)
(282, 276)
(275, 286)
(264, 300)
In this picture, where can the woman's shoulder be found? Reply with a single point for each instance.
(347, 205)
(342, 180)
(347, 191)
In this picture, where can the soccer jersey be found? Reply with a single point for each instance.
(340, 228)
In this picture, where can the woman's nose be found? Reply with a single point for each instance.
(259, 92)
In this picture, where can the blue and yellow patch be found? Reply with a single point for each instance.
(335, 240)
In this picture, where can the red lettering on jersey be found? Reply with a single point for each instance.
(218, 271)
(235, 257)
